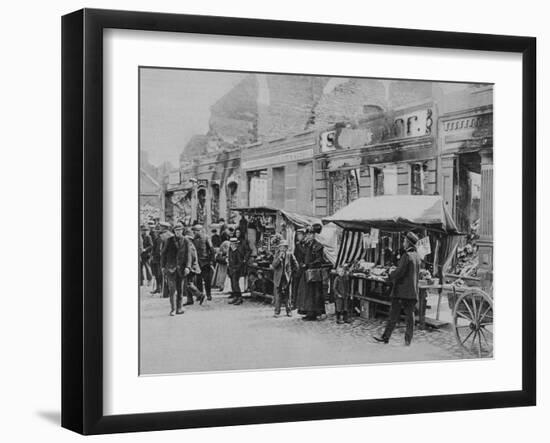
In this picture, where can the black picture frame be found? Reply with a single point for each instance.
(82, 218)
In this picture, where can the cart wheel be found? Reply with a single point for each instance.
(473, 322)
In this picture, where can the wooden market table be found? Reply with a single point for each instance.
(376, 292)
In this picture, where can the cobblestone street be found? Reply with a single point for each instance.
(218, 336)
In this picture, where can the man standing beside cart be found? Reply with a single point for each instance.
(405, 290)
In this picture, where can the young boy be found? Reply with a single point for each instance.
(342, 292)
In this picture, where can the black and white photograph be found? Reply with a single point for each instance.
(301, 221)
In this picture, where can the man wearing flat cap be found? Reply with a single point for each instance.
(205, 255)
(405, 290)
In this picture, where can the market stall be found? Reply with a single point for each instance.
(371, 246)
(263, 228)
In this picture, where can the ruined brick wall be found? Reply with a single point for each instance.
(403, 93)
(234, 117)
(350, 101)
(270, 106)
(285, 108)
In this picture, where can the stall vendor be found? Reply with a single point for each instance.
(405, 290)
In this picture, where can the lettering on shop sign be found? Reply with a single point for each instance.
(280, 158)
(466, 123)
(413, 124)
(327, 140)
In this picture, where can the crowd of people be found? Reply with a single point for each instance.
(184, 263)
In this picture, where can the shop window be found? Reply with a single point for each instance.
(257, 188)
(467, 191)
(385, 180)
(418, 178)
(232, 189)
(215, 203)
(201, 206)
(278, 187)
(378, 181)
(344, 188)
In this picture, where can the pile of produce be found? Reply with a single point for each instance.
(467, 261)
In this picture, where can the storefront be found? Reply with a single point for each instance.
(205, 190)
(466, 179)
(280, 173)
(393, 153)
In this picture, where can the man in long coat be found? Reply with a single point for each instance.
(155, 259)
(235, 261)
(310, 300)
(299, 254)
(205, 254)
(405, 290)
(169, 264)
(284, 266)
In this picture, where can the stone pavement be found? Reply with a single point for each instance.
(218, 336)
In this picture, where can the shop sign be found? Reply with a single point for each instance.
(277, 159)
(174, 178)
(327, 140)
(414, 124)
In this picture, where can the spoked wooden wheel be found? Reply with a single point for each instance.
(473, 322)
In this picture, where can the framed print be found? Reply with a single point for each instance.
(298, 217)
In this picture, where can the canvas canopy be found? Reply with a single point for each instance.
(395, 213)
(328, 237)
(298, 220)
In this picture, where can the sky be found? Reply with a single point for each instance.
(175, 105)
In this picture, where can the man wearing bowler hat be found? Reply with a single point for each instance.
(405, 290)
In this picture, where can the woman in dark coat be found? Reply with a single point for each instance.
(299, 254)
(310, 300)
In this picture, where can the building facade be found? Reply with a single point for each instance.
(436, 146)
(390, 153)
(205, 189)
(280, 173)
